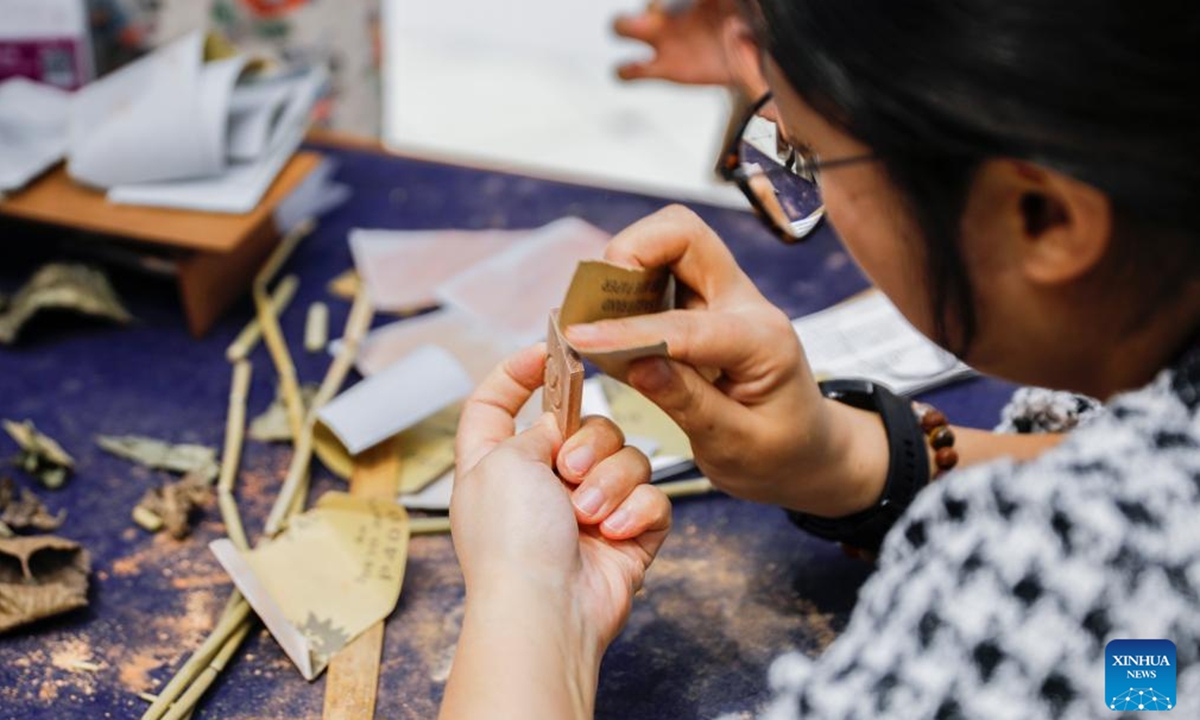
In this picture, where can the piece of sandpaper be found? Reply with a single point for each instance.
(562, 393)
(637, 416)
(334, 572)
(601, 290)
(426, 450)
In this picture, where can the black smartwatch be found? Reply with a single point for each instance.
(908, 467)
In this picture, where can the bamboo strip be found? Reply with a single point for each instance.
(248, 338)
(231, 621)
(235, 429)
(428, 525)
(357, 324)
(316, 327)
(289, 387)
(183, 708)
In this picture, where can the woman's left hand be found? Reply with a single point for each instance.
(552, 558)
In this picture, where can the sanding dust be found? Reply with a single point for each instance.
(72, 655)
(58, 669)
(134, 671)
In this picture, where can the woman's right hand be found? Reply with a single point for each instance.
(737, 381)
(687, 44)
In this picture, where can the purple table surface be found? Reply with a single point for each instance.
(735, 584)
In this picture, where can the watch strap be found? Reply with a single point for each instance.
(908, 467)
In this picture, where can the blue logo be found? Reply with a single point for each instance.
(1139, 675)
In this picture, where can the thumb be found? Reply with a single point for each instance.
(540, 442)
(699, 408)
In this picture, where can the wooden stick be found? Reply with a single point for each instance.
(357, 324)
(352, 685)
(235, 428)
(428, 525)
(679, 489)
(686, 488)
(248, 338)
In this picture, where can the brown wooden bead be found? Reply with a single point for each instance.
(946, 458)
(942, 437)
(933, 419)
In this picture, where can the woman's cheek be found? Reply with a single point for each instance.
(878, 236)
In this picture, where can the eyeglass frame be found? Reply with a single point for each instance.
(731, 170)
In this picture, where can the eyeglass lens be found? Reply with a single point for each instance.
(791, 202)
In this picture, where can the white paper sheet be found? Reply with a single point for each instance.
(402, 269)
(147, 121)
(476, 346)
(867, 337)
(33, 130)
(409, 391)
(254, 113)
(241, 186)
(514, 291)
(316, 195)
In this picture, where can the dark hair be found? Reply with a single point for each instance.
(1106, 91)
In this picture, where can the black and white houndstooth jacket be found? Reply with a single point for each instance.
(998, 590)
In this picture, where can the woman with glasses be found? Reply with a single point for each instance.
(1021, 178)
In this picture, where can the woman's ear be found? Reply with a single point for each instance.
(744, 57)
(1059, 229)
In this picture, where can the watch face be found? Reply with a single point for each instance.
(851, 391)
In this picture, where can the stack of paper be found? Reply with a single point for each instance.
(33, 130)
(867, 337)
(173, 130)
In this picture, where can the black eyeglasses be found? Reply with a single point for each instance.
(782, 182)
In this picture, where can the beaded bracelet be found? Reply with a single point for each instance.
(939, 436)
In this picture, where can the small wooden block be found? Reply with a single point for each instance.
(563, 391)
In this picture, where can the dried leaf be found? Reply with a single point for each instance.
(40, 577)
(57, 286)
(20, 509)
(272, 425)
(184, 458)
(173, 503)
(40, 455)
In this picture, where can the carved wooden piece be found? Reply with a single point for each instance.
(352, 685)
(563, 391)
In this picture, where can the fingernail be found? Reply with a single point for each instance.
(582, 332)
(618, 522)
(650, 376)
(589, 501)
(580, 460)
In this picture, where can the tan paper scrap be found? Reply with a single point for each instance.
(335, 571)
